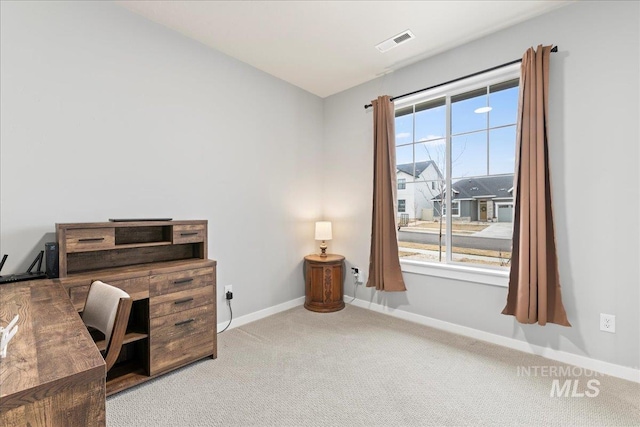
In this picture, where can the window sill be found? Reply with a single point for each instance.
(483, 276)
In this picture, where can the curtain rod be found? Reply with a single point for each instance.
(554, 49)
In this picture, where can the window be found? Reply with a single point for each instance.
(402, 183)
(458, 142)
(455, 209)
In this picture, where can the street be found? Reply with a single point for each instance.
(474, 242)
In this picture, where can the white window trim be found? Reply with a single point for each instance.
(457, 202)
(449, 269)
(493, 77)
(482, 275)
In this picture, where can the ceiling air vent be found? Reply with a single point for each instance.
(394, 41)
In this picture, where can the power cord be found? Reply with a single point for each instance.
(356, 276)
(229, 296)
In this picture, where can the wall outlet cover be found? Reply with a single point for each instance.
(608, 323)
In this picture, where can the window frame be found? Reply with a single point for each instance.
(404, 205)
(402, 183)
(451, 269)
(454, 203)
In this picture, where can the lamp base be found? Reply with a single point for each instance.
(323, 249)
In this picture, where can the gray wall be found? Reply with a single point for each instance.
(593, 126)
(105, 114)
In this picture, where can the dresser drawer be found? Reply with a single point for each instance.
(90, 239)
(180, 301)
(181, 338)
(162, 284)
(137, 288)
(192, 233)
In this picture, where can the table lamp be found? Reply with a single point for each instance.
(323, 232)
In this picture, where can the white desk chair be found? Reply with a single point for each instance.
(107, 309)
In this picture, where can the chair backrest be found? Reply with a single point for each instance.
(107, 309)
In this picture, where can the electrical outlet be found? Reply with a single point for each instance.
(358, 274)
(228, 288)
(608, 323)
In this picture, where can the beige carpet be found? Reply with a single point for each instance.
(356, 367)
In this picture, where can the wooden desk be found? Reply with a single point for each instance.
(53, 374)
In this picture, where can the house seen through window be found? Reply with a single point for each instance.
(456, 146)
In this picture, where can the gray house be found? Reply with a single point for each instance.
(484, 199)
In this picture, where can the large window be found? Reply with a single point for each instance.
(457, 144)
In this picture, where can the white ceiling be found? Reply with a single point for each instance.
(326, 47)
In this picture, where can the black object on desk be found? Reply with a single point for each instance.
(28, 275)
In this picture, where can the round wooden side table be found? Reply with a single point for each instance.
(323, 282)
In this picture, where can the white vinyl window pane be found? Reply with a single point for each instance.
(435, 153)
(503, 101)
(404, 127)
(431, 120)
(469, 155)
(482, 148)
(502, 150)
(404, 156)
(463, 112)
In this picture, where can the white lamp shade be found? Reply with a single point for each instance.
(323, 230)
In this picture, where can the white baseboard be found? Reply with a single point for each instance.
(261, 314)
(607, 368)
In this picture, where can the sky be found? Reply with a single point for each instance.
(482, 143)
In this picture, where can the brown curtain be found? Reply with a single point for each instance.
(534, 284)
(384, 264)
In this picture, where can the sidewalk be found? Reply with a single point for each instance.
(499, 230)
(421, 254)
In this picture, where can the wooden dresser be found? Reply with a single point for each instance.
(163, 265)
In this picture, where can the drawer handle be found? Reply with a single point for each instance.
(92, 239)
(182, 281)
(184, 322)
(183, 300)
(189, 234)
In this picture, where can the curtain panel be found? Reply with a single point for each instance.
(384, 265)
(534, 283)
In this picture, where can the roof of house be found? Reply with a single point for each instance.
(420, 167)
(490, 186)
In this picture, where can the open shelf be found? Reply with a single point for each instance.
(139, 236)
(125, 376)
(128, 338)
